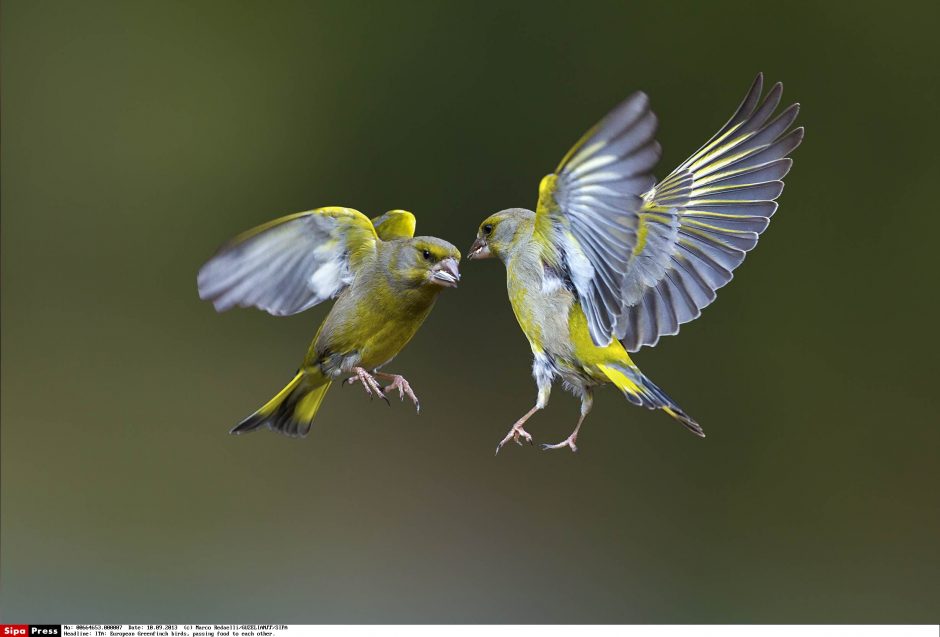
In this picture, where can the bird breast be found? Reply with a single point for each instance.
(541, 301)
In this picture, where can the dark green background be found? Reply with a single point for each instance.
(137, 137)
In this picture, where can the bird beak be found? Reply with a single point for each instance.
(479, 250)
(445, 273)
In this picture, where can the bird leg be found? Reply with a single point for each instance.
(372, 387)
(567, 442)
(587, 400)
(403, 387)
(517, 433)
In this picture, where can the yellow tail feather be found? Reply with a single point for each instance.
(292, 410)
(641, 391)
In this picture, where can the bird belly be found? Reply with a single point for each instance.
(558, 331)
(555, 325)
(542, 317)
(388, 340)
(543, 313)
(367, 333)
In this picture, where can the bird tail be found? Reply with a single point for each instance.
(292, 410)
(641, 391)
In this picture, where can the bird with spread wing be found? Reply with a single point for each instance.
(385, 282)
(611, 261)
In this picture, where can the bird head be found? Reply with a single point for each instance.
(427, 261)
(497, 234)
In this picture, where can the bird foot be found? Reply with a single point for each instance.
(372, 387)
(517, 434)
(567, 442)
(404, 389)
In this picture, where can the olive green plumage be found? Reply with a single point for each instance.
(382, 308)
(385, 283)
(611, 261)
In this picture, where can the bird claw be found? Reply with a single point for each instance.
(517, 434)
(369, 383)
(567, 442)
(404, 389)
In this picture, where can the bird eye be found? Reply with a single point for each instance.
(427, 255)
(487, 229)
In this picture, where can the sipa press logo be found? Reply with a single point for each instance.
(30, 630)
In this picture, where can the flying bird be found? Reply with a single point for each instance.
(611, 261)
(385, 282)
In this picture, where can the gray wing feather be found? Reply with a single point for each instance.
(703, 218)
(596, 202)
(287, 266)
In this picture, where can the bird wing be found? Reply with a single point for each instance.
(290, 264)
(395, 224)
(698, 223)
(587, 217)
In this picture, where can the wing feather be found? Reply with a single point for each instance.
(720, 200)
(587, 214)
(290, 264)
(642, 265)
(395, 224)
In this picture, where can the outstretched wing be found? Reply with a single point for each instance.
(290, 264)
(588, 212)
(698, 223)
(394, 224)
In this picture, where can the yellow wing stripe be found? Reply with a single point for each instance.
(708, 226)
(713, 150)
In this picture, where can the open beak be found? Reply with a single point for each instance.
(445, 273)
(479, 250)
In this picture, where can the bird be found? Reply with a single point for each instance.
(385, 282)
(611, 260)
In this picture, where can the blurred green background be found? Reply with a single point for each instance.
(137, 137)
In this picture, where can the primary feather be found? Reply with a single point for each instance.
(701, 220)
(587, 213)
(290, 264)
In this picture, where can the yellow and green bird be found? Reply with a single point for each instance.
(611, 260)
(385, 282)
